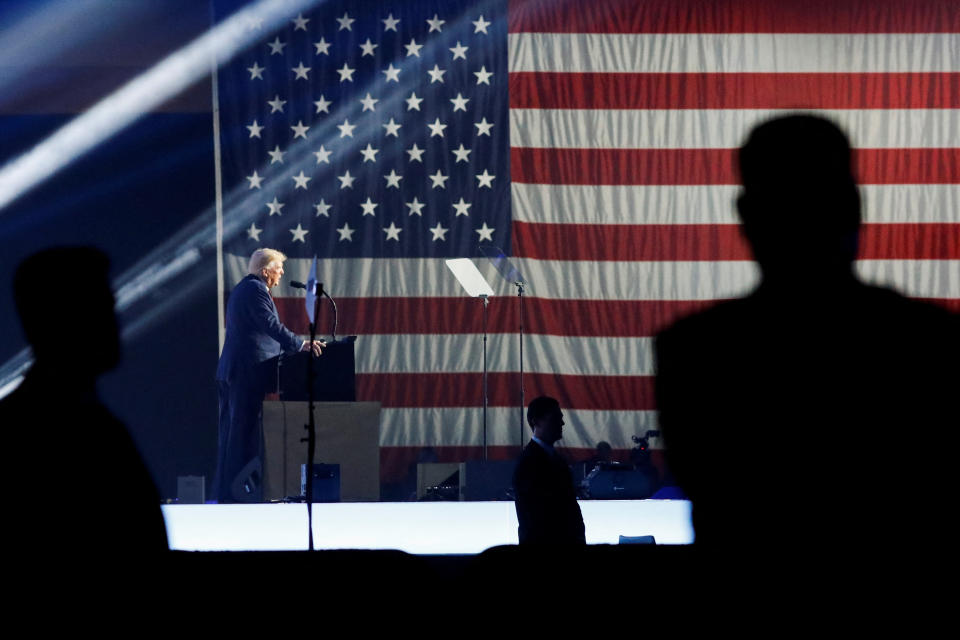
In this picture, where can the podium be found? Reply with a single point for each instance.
(348, 432)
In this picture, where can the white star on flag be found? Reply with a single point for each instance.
(459, 103)
(390, 24)
(275, 207)
(276, 104)
(346, 180)
(439, 232)
(483, 127)
(369, 103)
(346, 233)
(255, 180)
(323, 106)
(299, 234)
(368, 207)
(435, 24)
(369, 153)
(301, 181)
(276, 155)
(485, 232)
(393, 179)
(255, 129)
(323, 209)
(459, 51)
(276, 47)
(323, 155)
(483, 76)
(300, 22)
(345, 22)
(392, 73)
(256, 71)
(413, 49)
(415, 153)
(413, 102)
(462, 208)
(300, 130)
(367, 48)
(322, 47)
(480, 26)
(439, 180)
(301, 71)
(436, 129)
(392, 128)
(486, 180)
(346, 73)
(393, 232)
(254, 232)
(436, 74)
(416, 207)
(461, 153)
(346, 129)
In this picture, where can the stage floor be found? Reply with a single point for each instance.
(413, 527)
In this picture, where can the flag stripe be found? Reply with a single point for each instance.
(463, 353)
(734, 90)
(710, 204)
(460, 426)
(720, 129)
(374, 319)
(907, 241)
(625, 393)
(601, 280)
(436, 317)
(713, 166)
(734, 53)
(783, 16)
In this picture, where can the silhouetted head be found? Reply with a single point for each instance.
(65, 306)
(800, 206)
(545, 418)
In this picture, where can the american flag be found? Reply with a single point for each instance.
(595, 143)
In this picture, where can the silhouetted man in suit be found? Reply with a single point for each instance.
(546, 500)
(815, 412)
(75, 477)
(254, 336)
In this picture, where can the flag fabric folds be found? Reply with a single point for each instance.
(595, 143)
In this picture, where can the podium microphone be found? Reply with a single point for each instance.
(297, 285)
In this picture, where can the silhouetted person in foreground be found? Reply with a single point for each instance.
(790, 416)
(546, 500)
(78, 483)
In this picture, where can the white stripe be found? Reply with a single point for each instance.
(721, 128)
(463, 353)
(463, 426)
(710, 204)
(558, 279)
(734, 52)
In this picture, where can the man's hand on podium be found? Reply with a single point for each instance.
(316, 346)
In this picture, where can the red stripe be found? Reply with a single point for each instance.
(609, 393)
(662, 242)
(734, 16)
(713, 166)
(399, 463)
(613, 318)
(549, 90)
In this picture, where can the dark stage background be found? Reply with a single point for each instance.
(127, 196)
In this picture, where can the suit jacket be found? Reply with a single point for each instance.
(546, 500)
(254, 332)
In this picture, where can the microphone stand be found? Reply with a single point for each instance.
(311, 426)
(520, 284)
(486, 301)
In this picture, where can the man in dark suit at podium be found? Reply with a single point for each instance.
(254, 336)
(546, 500)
